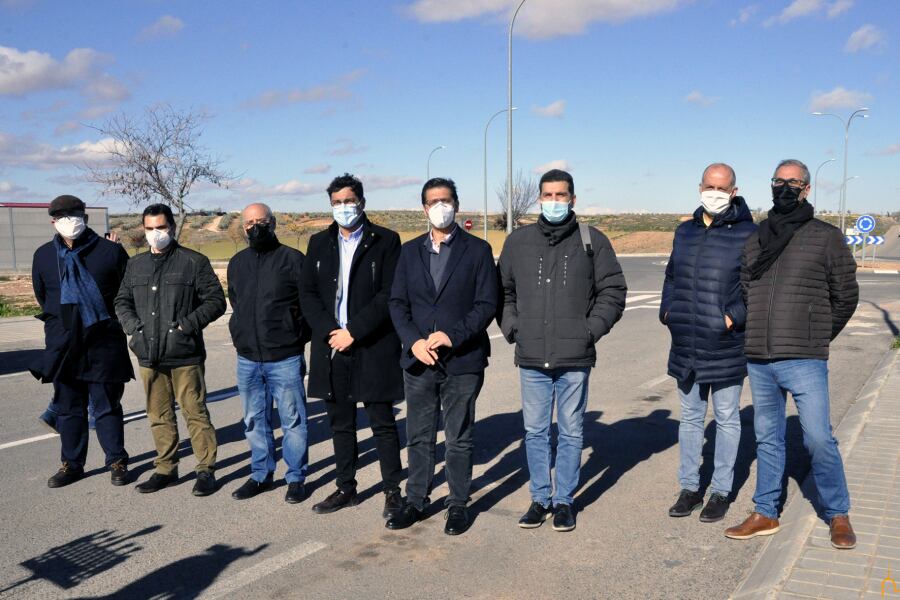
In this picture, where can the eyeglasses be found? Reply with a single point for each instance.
(778, 182)
(348, 202)
(252, 222)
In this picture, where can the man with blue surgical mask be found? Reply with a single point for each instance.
(563, 290)
(355, 352)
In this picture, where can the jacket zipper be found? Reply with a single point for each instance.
(769, 313)
(694, 321)
(256, 309)
(565, 269)
(373, 276)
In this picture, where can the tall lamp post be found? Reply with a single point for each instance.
(428, 163)
(816, 185)
(498, 113)
(857, 113)
(509, 109)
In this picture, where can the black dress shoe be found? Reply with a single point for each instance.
(118, 473)
(205, 484)
(336, 501)
(252, 488)
(457, 520)
(157, 482)
(687, 503)
(407, 516)
(563, 518)
(535, 516)
(296, 493)
(393, 503)
(715, 509)
(67, 474)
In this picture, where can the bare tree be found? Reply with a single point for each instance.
(158, 159)
(525, 195)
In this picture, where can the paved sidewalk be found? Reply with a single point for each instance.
(799, 561)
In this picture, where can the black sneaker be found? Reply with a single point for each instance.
(563, 518)
(457, 520)
(407, 516)
(536, 515)
(67, 474)
(157, 482)
(252, 488)
(296, 493)
(118, 473)
(393, 503)
(687, 503)
(205, 484)
(336, 501)
(715, 509)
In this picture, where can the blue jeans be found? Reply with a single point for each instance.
(726, 401)
(807, 381)
(259, 383)
(568, 388)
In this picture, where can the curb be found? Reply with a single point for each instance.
(776, 560)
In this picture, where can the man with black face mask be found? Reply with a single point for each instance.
(799, 284)
(269, 333)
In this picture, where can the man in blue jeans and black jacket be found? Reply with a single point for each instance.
(269, 333)
(443, 298)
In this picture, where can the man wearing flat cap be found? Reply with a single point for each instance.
(76, 276)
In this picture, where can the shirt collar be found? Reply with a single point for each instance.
(429, 239)
(354, 235)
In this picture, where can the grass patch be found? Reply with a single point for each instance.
(896, 344)
(8, 309)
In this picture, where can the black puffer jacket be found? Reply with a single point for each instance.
(164, 304)
(804, 300)
(558, 300)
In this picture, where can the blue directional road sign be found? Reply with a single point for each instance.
(853, 239)
(865, 223)
(875, 240)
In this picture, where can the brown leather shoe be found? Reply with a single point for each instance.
(754, 525)
(842, 536)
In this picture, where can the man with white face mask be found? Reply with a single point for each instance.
(705, 313)
(75, 278)
(168, 296)
(443, 299)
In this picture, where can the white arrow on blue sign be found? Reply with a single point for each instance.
(875, 240)
(865, 223)
(853, 239)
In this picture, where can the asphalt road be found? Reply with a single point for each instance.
(94, 540)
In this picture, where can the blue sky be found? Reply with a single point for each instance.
(634, 97)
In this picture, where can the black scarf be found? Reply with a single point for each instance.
(559, 231)
(774, 235)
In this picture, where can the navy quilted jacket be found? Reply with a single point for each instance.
(702, 286)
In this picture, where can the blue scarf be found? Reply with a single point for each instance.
(77, 285)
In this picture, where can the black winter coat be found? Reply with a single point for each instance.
(702, 286)
(804, 300)
(375, 353)
(264, 289)
(165, 302)
(557, 300)
(99, 353)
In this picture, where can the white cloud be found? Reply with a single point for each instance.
(334, 90)
(865, 38)
(31, 71)
(95, 112)
(106, 88)
(22, 151)
(697, 97)
(839, 97)
(67, 127)
(9, 190)
(553, 164)
(555, 109)
(541, 19)
(891, 150)
(839, 7)
(317, 169)
(346, 146)
(165, 26)
(253, 189)
(805, 8)
(745, 14)
(388, 182)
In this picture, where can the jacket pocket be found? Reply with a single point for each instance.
(138, 344)
(179, 345)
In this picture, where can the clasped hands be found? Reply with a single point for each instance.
(425, 350)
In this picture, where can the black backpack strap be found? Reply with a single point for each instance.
(585, 232)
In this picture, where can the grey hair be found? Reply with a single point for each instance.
(269, 214)
(721, 166)
(793, 162)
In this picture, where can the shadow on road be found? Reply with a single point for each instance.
(886, 315)
(15, 361)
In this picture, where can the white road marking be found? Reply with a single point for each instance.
(654, 292)
(249, 575)
(36, 438)
(14, 374)
(885, 272)
(496, 336)
(631, 299)
(653, 306)
(655, 382)
(862, 333)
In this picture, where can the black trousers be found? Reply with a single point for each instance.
(342, 418)
(70, 400)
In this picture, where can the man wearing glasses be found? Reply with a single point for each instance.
(799, 284)
(269, 334)
(344, 292)
(444, 297)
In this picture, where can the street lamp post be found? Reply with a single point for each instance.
(499, 112)
(846, 124)
(509, 109)
(816, 184)
(428, 163)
